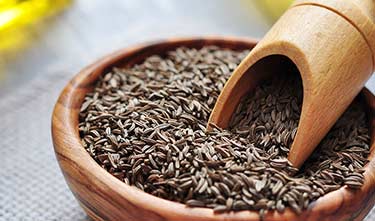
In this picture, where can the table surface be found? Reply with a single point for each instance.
(31, 184)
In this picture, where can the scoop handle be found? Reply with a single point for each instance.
(337, 68)
(332, 43)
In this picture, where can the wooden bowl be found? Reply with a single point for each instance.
(104, 197)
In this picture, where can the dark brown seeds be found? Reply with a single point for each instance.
(145, 125)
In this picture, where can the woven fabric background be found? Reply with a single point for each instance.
(32, 187)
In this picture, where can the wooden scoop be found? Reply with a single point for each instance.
(332, 43)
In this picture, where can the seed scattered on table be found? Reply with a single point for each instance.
(146, 125)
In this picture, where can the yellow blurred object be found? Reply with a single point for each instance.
(17, 15)
(274, 8)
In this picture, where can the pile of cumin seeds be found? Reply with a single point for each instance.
(146, 126)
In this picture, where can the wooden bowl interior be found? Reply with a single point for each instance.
(104, 197)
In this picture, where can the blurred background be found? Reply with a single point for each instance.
(43, 43)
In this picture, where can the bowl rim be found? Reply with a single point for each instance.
(67, 145)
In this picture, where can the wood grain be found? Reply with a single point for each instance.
(104, 197)
(331, 42)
